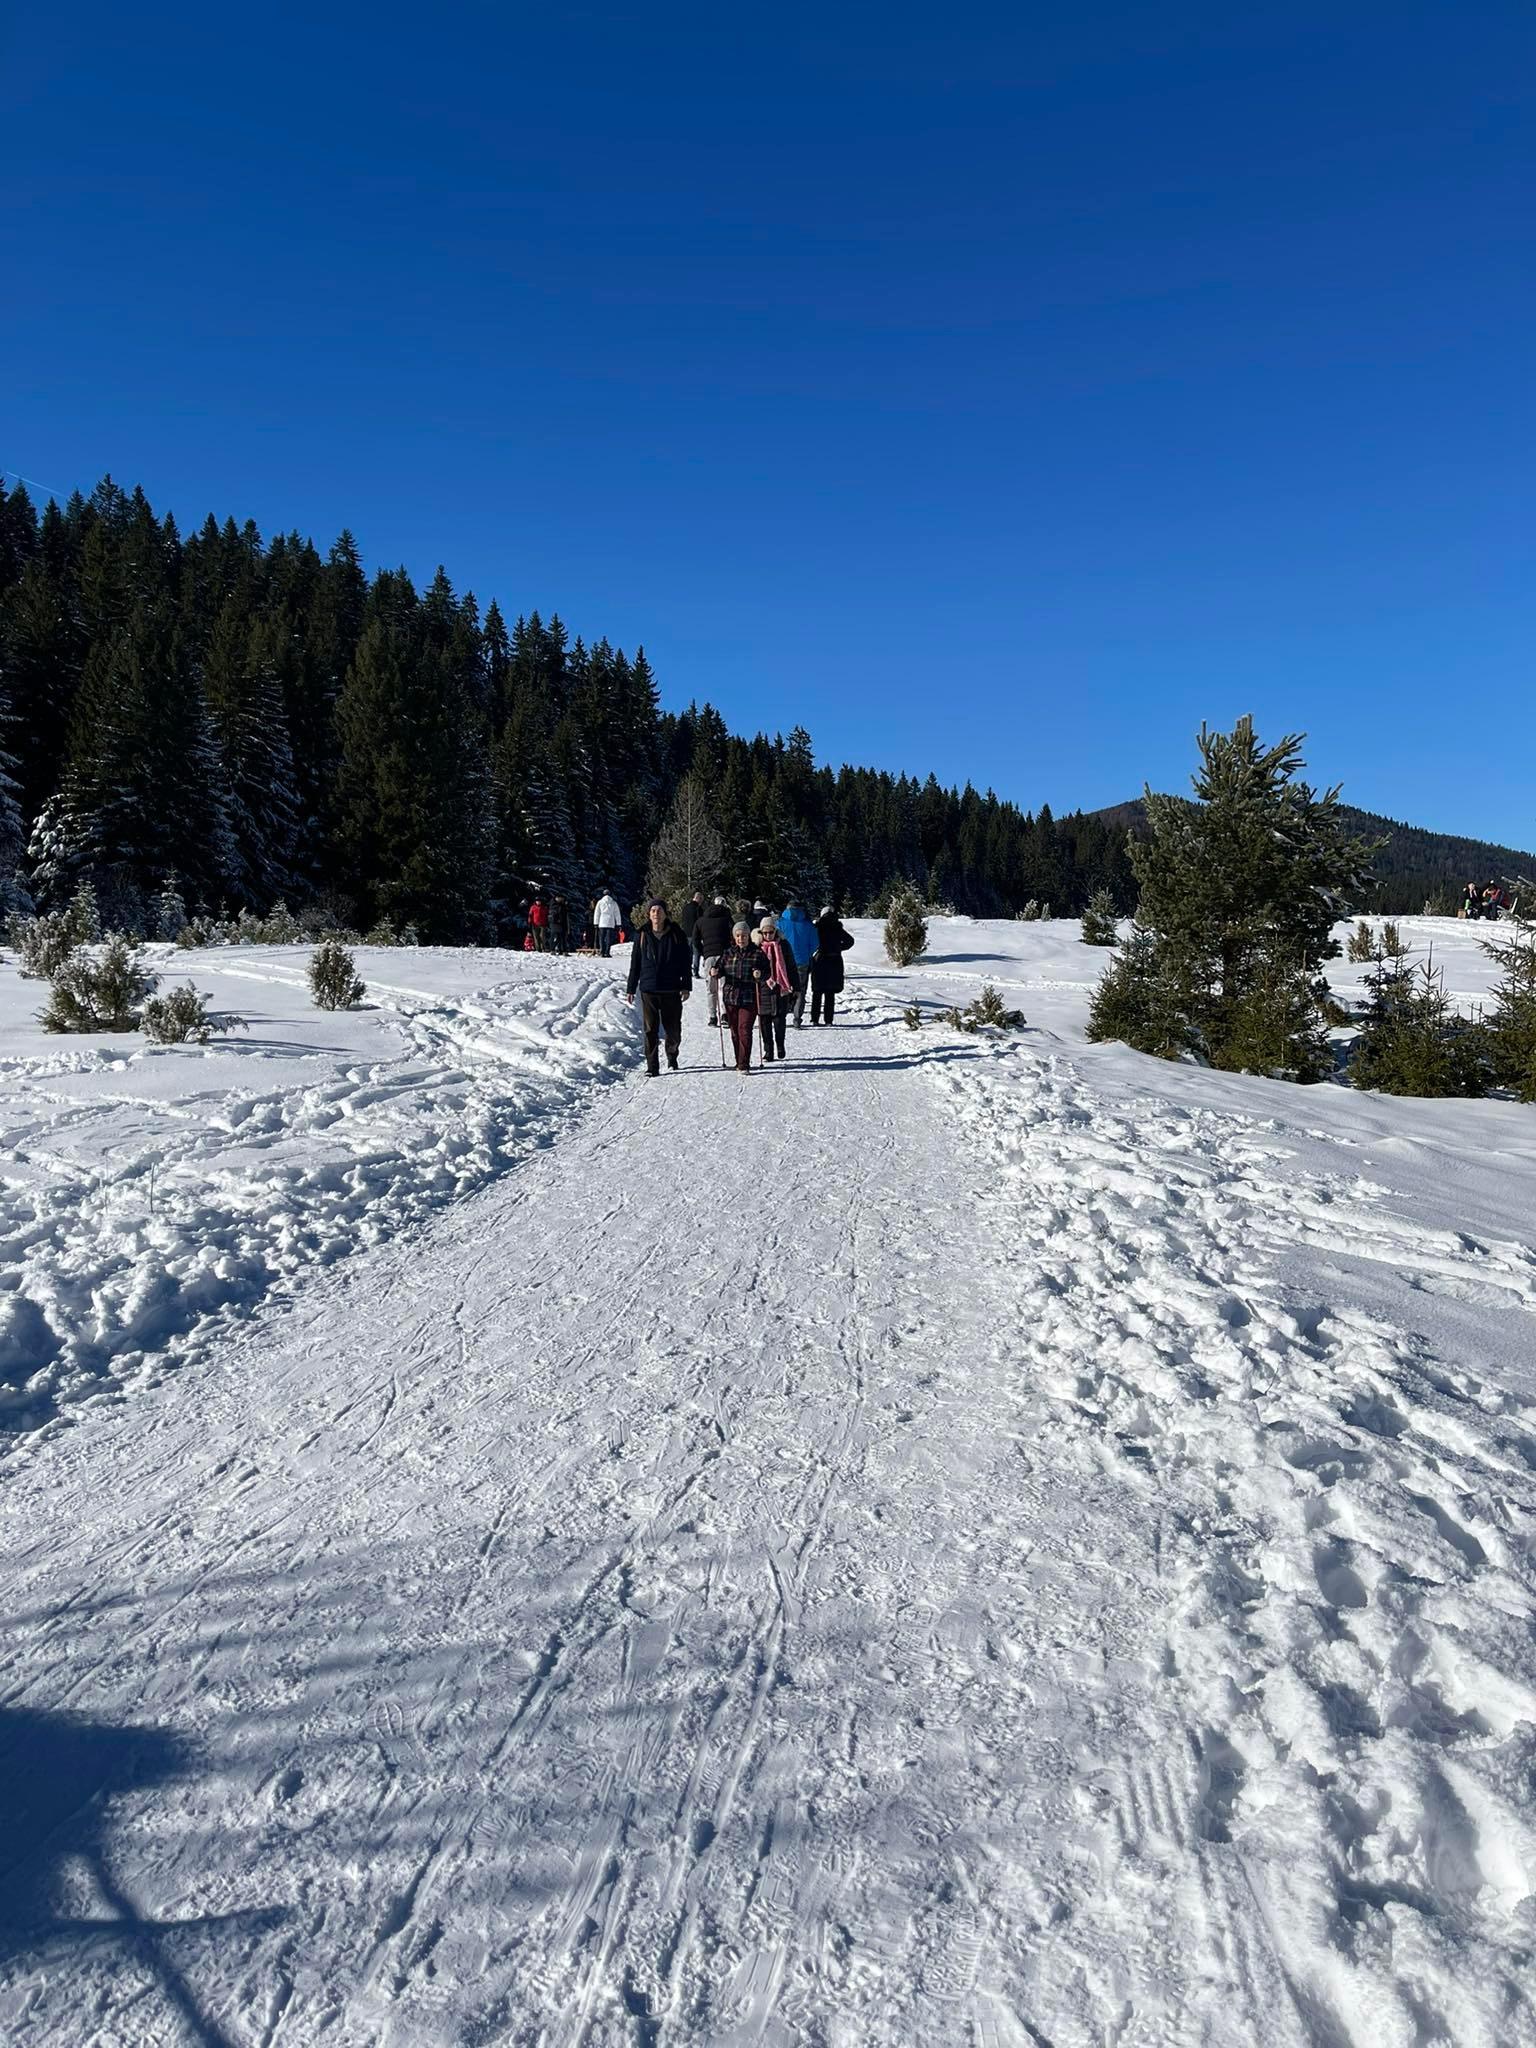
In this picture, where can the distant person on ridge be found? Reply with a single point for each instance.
(607, 917)
(711, 936)
(832, 942)
(799, 934)
(661, 971)
(738, 973)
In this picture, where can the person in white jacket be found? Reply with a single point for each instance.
(608, 918)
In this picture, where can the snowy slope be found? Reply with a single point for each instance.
(951, 1541)
(149, 1192)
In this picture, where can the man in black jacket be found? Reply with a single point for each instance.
(711, 936)
(661, 971)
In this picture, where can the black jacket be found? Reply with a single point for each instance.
(832, 942)
(688, 917)
(661, 963)
(713, 930)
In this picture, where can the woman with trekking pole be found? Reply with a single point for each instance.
(737, 974)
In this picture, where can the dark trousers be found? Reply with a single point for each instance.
(605, 939)
(772, 1029)
(817, 1000)
(661, 1013)
(741, 1022)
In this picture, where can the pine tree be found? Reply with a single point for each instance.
(84, 914)
(98, 990)
(688, 852)
(1139, 1001)
(1101, 925)
(906, 929)
(333, 980)
(412, 793)
(1412, 1042)
(1240, 889)
(15, 898)
(170, 911)
(1512, 1025)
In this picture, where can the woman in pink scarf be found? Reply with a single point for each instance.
(776, 984)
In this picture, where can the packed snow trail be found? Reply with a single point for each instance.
(888, 1550)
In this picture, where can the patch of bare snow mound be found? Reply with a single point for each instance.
(147, 1193)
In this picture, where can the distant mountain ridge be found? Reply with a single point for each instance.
(1415, 867)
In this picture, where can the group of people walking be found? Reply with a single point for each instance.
(542, 924)
(757, 968)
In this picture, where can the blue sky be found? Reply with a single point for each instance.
(993, 390)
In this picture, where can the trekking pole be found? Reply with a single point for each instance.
(720, 1017)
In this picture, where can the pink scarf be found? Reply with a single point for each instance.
(780, 976)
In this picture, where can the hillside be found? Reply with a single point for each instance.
(1415, 867)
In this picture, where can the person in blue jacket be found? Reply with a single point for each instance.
(799, 934)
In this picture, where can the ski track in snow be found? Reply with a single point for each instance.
(955, 1568)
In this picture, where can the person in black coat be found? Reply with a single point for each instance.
(711, 936)
(832, 942)
(661, 973)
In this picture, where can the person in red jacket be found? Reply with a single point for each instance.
(538, 921)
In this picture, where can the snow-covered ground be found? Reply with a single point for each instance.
(149, 1192)
(984, 1541)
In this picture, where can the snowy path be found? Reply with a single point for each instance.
(898, 1550)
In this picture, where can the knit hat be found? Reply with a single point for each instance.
(657, 903)
(741, 925)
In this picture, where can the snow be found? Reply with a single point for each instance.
(980, 1540)
(148, 1193)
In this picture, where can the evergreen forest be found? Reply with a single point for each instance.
(245, 720)
(240, 721)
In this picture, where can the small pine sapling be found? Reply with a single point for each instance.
(1277, 1026)
(170, 913)
(98, 991)
(1412, 1041)
(1101, 926)
(912, 1017)
(333, 978)
(1392, 942)
(906, 929)
(1138, 1005)
(987, 1012)
(42, 944)
(84, 915)
(182, 1016)
(1362, 944)
(1512, 1025)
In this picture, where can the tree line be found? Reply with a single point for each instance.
(247, 720)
